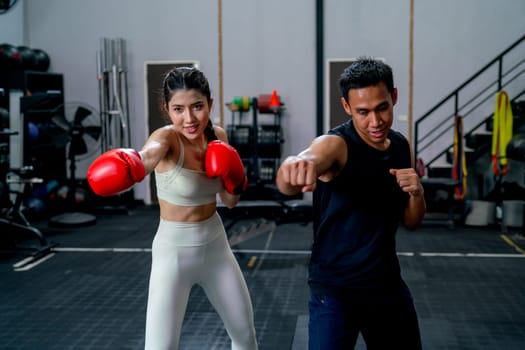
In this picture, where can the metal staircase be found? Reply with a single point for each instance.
(474, 101)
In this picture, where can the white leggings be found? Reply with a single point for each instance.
(189, 253)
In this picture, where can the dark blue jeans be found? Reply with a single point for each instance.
(384, 323)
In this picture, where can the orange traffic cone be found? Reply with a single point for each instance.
(275, 104)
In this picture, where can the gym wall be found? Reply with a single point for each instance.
(263, 50)
(12, 25)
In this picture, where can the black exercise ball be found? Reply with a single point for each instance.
(9, 57)
(27, 58)
(35, 208)
(516, 148)
(42, 60)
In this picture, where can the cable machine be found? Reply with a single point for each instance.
(113, 93)
(112, 79)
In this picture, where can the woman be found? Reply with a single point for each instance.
(192, 162)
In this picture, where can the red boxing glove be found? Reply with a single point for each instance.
(223, 160)
(115, 171)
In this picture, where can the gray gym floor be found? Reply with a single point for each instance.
(90, 291)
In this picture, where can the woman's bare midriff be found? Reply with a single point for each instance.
(180, 213)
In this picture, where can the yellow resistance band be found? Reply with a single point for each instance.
(501, 134)
(459, 169)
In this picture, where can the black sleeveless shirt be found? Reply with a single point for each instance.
(355, 219)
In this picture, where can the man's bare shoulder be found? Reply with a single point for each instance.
(328, 142)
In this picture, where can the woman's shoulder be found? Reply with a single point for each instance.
(167, 137)
(165, 130)
(165, 134)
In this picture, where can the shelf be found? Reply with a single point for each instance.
(258, 144)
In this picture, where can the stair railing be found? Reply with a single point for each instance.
(435, 135)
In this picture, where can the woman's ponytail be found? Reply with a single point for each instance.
(210, 132)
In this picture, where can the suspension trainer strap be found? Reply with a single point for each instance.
(501, 134)
(459, 169)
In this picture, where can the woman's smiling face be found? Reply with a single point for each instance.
(189, 111)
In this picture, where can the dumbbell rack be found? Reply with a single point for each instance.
(259, 146)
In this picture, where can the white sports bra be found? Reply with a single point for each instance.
(186, 187)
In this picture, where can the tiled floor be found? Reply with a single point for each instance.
(90, 293)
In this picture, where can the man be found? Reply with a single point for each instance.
(363, 187)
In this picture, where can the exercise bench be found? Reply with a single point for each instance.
(13, 220)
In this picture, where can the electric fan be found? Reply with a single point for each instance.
(82, 129)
